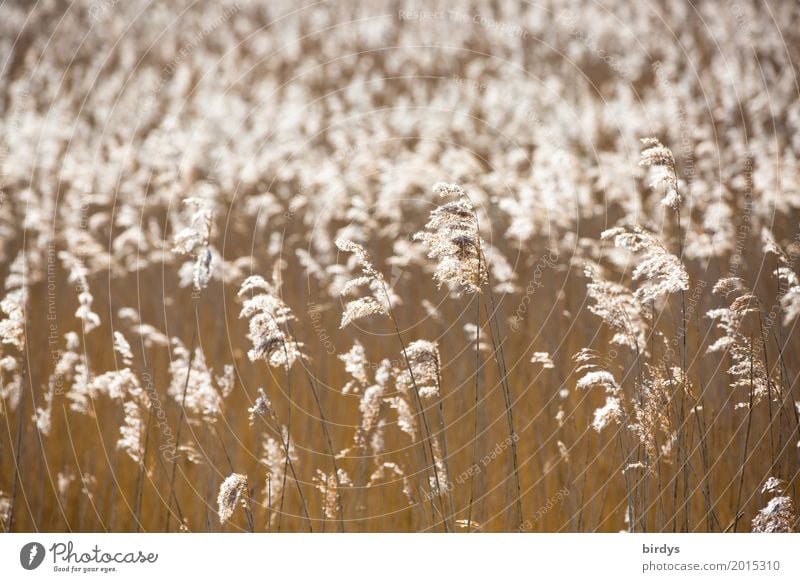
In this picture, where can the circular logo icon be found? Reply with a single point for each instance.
(31, 555)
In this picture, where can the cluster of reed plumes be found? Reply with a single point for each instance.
(382, 267)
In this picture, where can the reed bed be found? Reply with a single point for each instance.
(378, 267)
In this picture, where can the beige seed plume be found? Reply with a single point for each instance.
(453, 241)
(12, 328)
(662, 272)
(747, 372)
(780, 514)
(274, 458)
(193, 240)
(467, 524)
(619, 308)
(659, 157)
(355, 364)
(232, 492)
(123, 348)
(375, 304)
(261, 407)
(269, 318)
(423, 357)
(5, 510)
(328, 485)
(132, 432)
(611, 412)
(78, 274)
(406, 421)
(202, 398)
(789, 284)
(542, 358)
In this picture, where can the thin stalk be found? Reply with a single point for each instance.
(769, 387)
(171, 495)
(17, 447)
(703, 429)
(287, 464)
(626, 479)
(501, 364)
(140, 476)
(286, 443)
(329, 443)
(326, 433)
(711, 516)
(445, 459)
(224, 448)
(737, 514)
(474, 462)
(499, 356)
(248, 512)
(299, 490)
(269, 503)
(684, 368)
(580, 502)
(420, 408)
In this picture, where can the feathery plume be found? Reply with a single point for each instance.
(660, 158)
(5, 511)
(273, 457)
(453, 240)
(268, 319)
(651, 409)
(232, 492)
(747, 371)
(12, 328)
(780, 514)
(63, 373)
(194, 240)
(355, 364)
(542, 358)
(406, 421)
(132, 432)
(123, 348)
(662, 272)
(78, 275)
(789, 285)
(10, 384)
(619, 308)
(261, 407)
(202, 398)
(423, 358)
(377, 303)
(329, 486)
(612, 410)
